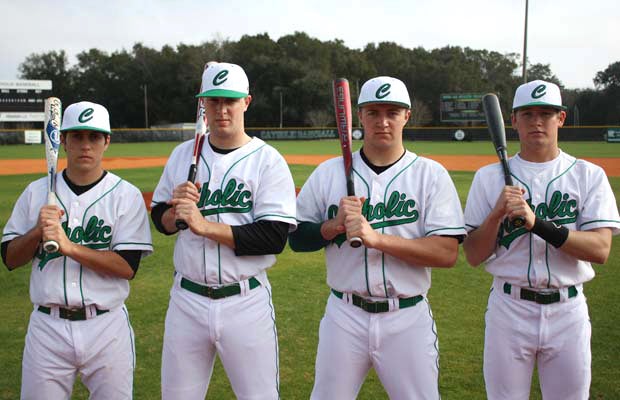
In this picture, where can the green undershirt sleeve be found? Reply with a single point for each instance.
(307, 237)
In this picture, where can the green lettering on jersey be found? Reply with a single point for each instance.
(233, 199)
(560, 205)
(95, 235)
(397, 206)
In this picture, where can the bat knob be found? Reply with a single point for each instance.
(355, 242)
(518, 222)
(180, 224)
(50, 246)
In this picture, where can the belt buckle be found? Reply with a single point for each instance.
(75, 314)
(373, 306)
(546, 296)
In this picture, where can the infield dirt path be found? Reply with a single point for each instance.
(451, 162)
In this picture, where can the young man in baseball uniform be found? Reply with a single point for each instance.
(537, 312)
(239, 214)
(408, 215)
(80, 324)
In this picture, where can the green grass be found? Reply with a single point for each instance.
(458, 297)
(163, 149)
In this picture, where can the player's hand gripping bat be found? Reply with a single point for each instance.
(342, 107)
(51, 134)
(495, 123)
(201, 130)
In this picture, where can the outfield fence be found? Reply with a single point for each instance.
(571, 133)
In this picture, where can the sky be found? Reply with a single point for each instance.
(576, 38)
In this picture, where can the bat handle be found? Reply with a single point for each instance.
(51, 246)
(355, 242)
(518, 222)
(191, 177)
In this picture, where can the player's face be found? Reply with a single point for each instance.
(225, 115)
(538, 127)
(85, 149)
(383, 124)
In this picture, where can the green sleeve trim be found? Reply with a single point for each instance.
(307, 237)
(599, 221)
(445, 229)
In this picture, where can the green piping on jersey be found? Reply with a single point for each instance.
(444, 229)
(204, 248)
(219, 258)
(599, 220)
(206, 165)
(64, 261)
(385, 195)
(365, 248)
(547, 202)
(529, 263)
(272, 314)
(131, 339)
(84, 221)
(131, 243)
(274, 215)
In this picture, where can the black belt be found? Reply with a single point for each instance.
(545, 297)
(75, 314)
(379, 306)
(216, 292)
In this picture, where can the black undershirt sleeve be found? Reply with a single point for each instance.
(157, 213)
(5, 246)
(260, 238)
(307, 237)
(132, 257)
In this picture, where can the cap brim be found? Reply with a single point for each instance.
(540, 104)
(396, 103)
(223, 93)
(84, 128)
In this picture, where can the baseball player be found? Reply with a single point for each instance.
(80, 324)
(408, 215)
(537, 312)
(239, 214)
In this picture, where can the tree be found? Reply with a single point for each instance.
(609, 78)
(542, 72)
(53, 66)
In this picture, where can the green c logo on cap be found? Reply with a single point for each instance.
(539, 91)
(86, 115)
(383, 91)
(220, 78)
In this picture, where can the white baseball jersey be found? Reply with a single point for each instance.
(249, 184)
(571, 192)
(109, 216)
(413, 198)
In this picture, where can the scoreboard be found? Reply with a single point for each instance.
(23, 100)
(461, 107)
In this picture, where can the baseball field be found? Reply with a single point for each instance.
(458, 295)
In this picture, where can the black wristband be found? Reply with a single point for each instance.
(551, 233)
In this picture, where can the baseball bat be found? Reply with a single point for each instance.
(342, 107)
(495, 124)
(201, 130)
(51, 134)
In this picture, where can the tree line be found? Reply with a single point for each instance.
(296, 71)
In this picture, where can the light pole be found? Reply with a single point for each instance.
(280, 108)
(525, 45)
(146, 107)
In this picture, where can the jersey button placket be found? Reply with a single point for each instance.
(375, 270)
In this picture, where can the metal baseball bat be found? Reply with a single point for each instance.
(342, 107)
(495, 124)
(51, 134)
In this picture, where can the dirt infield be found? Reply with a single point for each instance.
(451, 162)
